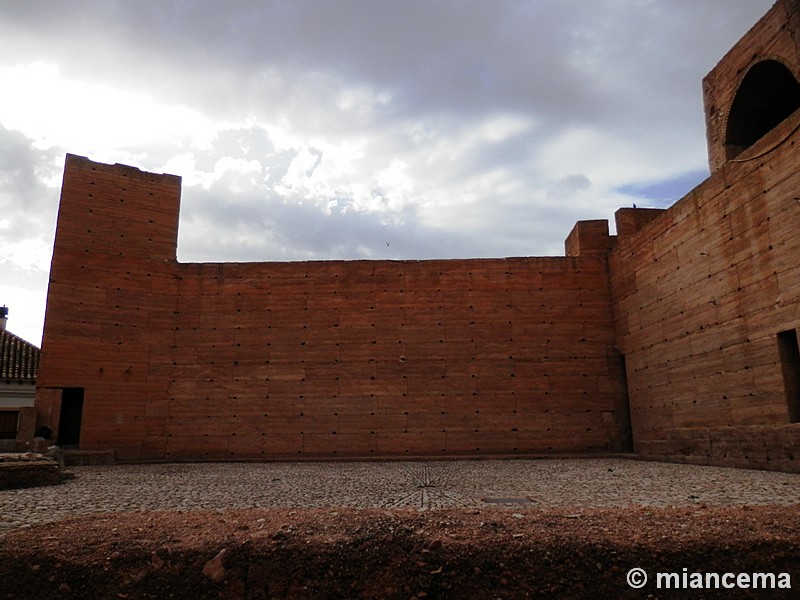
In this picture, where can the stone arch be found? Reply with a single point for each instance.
(767, 94)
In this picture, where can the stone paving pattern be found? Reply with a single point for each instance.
(486, 484)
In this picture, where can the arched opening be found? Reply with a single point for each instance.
(766, 96)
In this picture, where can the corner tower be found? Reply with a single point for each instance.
(110, 300)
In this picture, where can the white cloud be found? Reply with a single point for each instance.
(91, 118)
(30, 254)
(26, 301)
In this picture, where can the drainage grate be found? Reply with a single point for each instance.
(506, 500)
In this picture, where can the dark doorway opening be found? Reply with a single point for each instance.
(790, 366)
(623, 412)
(9, 421)
(69, 423)
(766, 96)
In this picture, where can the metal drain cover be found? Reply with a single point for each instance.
(506, 500)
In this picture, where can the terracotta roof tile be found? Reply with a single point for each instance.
(19, 360)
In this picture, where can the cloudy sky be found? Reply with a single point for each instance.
(343, 129)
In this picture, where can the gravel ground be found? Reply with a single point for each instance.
(484, 484)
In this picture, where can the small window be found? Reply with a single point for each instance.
(766, 96)
(790, 366)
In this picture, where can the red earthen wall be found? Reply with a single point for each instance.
(360, 358)
(701, 293)
(111, 301)
(506, 356)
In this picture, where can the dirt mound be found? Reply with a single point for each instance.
(258, 554)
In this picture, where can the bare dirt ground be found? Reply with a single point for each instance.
(378, 553)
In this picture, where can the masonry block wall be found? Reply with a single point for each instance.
(358, 358)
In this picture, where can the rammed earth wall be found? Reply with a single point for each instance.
(364, 358)
(707, 295)
(679, 336)
(702, 293)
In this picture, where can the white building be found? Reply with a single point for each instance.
(19, 362)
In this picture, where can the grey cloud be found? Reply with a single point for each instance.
(266, 227)
(25, 201)
(251, 144)
(472, 56)
(248, 144)
(18, 166)
(569, 185)
(632, 69)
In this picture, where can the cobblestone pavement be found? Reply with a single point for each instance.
(509, 484)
